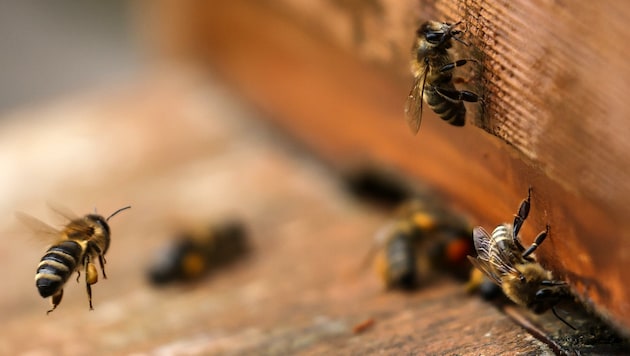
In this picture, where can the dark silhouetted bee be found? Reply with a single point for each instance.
(195, 253)
(422, 239)
(81, 242)
(432, 68)
(502, 258)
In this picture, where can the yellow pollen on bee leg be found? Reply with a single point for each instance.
(92, 274)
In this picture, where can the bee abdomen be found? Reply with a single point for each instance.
(503, 240)
(56, 266)
(502, 232)
(401, 262)
(452, 112)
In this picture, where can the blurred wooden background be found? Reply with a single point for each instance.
(331, 77)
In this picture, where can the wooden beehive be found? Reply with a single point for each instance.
(331, 76)
(553, 76)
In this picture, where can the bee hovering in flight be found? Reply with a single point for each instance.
(502, 258)
(81, 242)
(432, 68)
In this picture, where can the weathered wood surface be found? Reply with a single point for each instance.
(167, 149)
(553, 76)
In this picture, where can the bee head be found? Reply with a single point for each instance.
(100, 224)
(100, 227)
(100, 230)
(435, 34)
(548, 296)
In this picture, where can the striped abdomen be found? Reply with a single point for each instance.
(401, 261)
(54, 269)
(453, 112)
(503, 240)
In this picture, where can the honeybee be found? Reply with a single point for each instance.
(432, 68)
(502, 258)
(81, 242)
(195, 253)
(424, 238)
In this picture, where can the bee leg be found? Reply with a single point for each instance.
(55, 299)
(519, 218)
(539, 239)
(458, 63)
(91, 277)
(102, 261)
(457, 95)
(78, 275)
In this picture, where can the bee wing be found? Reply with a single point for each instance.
(383, 233)
(415, 102)
(490, 259)
(62, 211)
(483, 241)
(381, 237)
(40, 228)
(76, 226)
(485, 268)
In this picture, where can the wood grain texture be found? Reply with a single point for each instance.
(335, 75)
(180, 163)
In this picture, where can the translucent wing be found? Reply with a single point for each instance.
(62, 211)
(490, 259)
(485, 268)
(380, 239)
(76, 226)
(382, 234)
(40, 228)
(415, 102)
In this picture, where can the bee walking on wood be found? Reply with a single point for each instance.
(196, 252)
(82, 241)
(424, 239)
(432, 68)
(503, 258)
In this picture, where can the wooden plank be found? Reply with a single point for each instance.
(560, 122)
(179, 162)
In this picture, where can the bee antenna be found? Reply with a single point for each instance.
(456, 38)
(118, 211)
(457, 23)
(454, 34)
(553, 310)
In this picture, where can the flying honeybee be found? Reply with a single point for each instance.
(422, 239)
(82, 241)
(193, 254)
(502, 258)
(432, 68)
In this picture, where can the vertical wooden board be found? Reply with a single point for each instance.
(555, 77)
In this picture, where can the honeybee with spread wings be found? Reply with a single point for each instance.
(79, 244)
